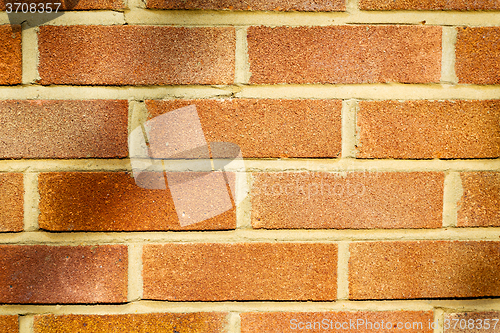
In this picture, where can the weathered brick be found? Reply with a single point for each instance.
(9, 324)
(478, 55)
(242, 271)
(365, 321)
(209, 322)
(480, 202)
(472, 322)
(281, 5)
(344, 54)
(267, 128)
(357, 200)
(424, 269)
(41, 274)
(74, 4)
(63, 129)
(428, 5)
(10, 54)
(11, 202)
(429, 129)
(136, 55)
(111, 201)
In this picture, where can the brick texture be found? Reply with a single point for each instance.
(478, 55)
(107, 201)
(63, 274)
(356, 200)
(9, 324)
(344, 54)
(428, 5)
(63, 129)
(267, 128)
(429, 129)
(249, 271)
(10, 55)
(480, 202)
(11, 202)
(135, 55)
(472, 322)
(281, 5)
(139, 323)
(76, 4)
(424, 269)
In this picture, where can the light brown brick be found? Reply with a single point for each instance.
(472, 322)
(344, 54)
(429, 129)
(9, 324)
(241, 271)
(63, 129)
(478, 55)
(281, 5)
(41, 274)
(10, 55)
(11, 202)
(267, 128)
(357, 200)
(424, 269)
(480, 202)
(74, 4)
(135, 55)
(428, 5)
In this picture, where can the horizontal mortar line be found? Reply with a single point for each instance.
(97, 17)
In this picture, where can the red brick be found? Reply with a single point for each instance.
(10, 55)
(480, 202)
(478, 55)
(472, 322)
(424, 269)
(429, 129)
(11, 202)
(281, 5)
(248, 271)
(76, 4)
(366, 321)
(9, 324)
(109, 201)
(428, 5)
(63, 129)
(357, 200)
(267, 128)
(136, 55)
(40, 274)
(206, 322)
(345, 54)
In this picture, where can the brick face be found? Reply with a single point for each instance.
(10, 55)
(135, 55)
(11, 202)
(472, 322)
(424, 269)
(248, 271)
(281, 5)
(77, 5)
(428, 5)
(356, 200)
(344, 54)
(429, 129)
(9, 324)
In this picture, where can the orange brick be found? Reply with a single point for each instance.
(248, 271)
(9, 324)
(428, 5)
(76, 4)
(267, 128)
(480, 203)
(429, 129)
(281, 5)
(136, 55)
(41, 274)
(472, 322)
(344, 54)
(11, 202)
(424, 269)
(10, 55)
(357, 200)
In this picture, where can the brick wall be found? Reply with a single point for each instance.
(369, 199)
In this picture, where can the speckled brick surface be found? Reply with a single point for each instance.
(40, 274)
(240, 271)
(10, 54)
(472, 322)
(77, 4)
(428, 5)
(9, 324)
(429, 129)
(135, 55)
(11, 202)
(63, 129)
(357, 200)
(424, 269)
(280, 5)
(344, 54)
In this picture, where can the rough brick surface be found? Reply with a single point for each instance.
(480, 202)
(281, 5)
(9, 324)
(249, 271)
(345, 54)
(139, 323)
(75, 4)
(429, 129)
(10, 54)
(136, 55)
(472, 322)
(267, 128)
(428, 5)
(350, 322)
(63, 274)
(478, 55)
(356, 200)
(424, 269)
(11, 202)
(107, 201)
(63, 129)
